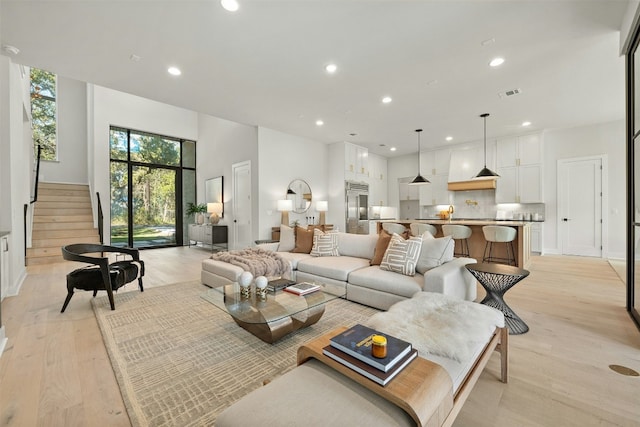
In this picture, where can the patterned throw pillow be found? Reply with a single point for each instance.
(324, 244)
(402, 255)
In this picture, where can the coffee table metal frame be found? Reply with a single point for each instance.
(497, 279)
(274, 316)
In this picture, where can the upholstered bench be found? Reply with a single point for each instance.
(321, 392)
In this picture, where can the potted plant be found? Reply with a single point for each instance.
(197, 210)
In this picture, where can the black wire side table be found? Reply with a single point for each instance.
(497, 279)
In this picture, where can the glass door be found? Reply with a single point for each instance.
(154, 206)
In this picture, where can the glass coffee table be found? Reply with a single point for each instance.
(274, 316)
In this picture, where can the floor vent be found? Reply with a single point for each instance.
(510, 92)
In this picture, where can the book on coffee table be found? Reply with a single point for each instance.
(356, 341)
(279, 284)
(302, 288)
(367, 370)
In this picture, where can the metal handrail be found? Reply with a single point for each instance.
(100, 220)
(37, 180)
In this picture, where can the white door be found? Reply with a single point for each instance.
(580, 206)
(241, 205)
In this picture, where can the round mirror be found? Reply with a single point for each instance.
(300, 192)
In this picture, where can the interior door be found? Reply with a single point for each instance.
(241, 190)
(580, 206)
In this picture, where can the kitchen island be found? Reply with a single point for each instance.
(521, 244)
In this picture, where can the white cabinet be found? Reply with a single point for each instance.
(437, 192)
(536, 237)
(356, 162)
(378, 193)
(4, 267)
(408, 192)
(436, 162)
(520, 169)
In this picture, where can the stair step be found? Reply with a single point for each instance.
(45, 260)
(43, 252)
(64, 233)
(61, 211)
(68, 198)
(61, 186)
(63, 202)
(54, 226)
(63, 241)
(62, 218)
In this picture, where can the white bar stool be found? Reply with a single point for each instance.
(459, 233)
(499, 234)
(418, 229)
(391, 227)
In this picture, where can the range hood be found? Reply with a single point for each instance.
(473, 184)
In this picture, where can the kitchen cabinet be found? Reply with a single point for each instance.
(356, 162)
(4, 267)
(378, 193)
(436, 162)
(467, 162)
(408, 192)
(520, 169)
(536, 237)
(437, 192)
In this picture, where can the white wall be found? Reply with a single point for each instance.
(220, 144)
(283, 158)
(71, 166)
(399, 167)
(604, 138)
(115, 108)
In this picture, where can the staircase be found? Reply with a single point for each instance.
(62, 215)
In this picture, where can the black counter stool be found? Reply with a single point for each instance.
(459, 233)
(497, 279)
(499, 234)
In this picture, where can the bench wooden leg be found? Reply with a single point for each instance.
(504, 355)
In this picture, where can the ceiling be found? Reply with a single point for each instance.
(264, 64)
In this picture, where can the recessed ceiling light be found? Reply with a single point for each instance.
(392, 149)
(174, 71)
(495, 62)
(449, 138)
(432, 82)
(526, 123)
(319, 122)
(386, 100)
(331, 68)
(488, 41)
(134, 57)
(230, 5)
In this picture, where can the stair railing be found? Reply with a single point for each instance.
(100, 220)
(34, 198)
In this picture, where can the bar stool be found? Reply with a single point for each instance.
(499, 234)
(391, 228)
(418, 229)
(458, 233)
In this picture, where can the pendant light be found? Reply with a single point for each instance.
(419, 180)
(486, 172)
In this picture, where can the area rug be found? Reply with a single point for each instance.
(180, 361)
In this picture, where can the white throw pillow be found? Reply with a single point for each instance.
(287, 239)
(324, 244)
(434, 252)
(402, 255)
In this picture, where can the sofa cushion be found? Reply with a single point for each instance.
(357, 245)
(304, 240)
(381, 247)
(337, 268)
(434, 252)
(287, 239)
(324, 244)
(402, 255)
(386, 281)
(223, 269)
(293, 258)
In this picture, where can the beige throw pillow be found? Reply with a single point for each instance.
(287, 239)
(402, 255)
(324, 244)
(434, 252)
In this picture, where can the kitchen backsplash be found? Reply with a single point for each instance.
(481, 204)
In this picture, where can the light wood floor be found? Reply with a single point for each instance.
(55, 370)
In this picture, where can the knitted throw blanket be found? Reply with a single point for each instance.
(257, 261)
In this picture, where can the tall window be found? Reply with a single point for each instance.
(43, 112)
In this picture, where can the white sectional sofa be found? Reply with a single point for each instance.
(351, 272)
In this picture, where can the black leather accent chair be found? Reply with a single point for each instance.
(101, 275)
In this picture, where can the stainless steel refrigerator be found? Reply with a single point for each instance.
(357, 207)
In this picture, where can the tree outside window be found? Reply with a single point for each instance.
(43, 112)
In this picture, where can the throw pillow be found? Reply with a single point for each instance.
(434, 252)
(287, 239)
(324, 244)
(381, 247)
(402, 255)
(304, 240)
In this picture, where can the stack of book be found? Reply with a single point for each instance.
(352, 348)
(279, 284)
(302, 288)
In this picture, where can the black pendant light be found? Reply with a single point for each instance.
(419, 180)
(486, 172)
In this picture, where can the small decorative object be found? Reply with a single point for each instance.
(245, 282)
(215, 209)
(379, 346)
(261, 286)
(197, 210)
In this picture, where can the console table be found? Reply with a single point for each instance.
(213, 235)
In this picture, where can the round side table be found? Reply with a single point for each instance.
(497, 279)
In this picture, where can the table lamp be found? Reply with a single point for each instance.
(285, 206)
(215, 209)
(322, 206)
